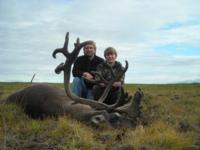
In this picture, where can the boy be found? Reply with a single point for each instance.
(110, 55)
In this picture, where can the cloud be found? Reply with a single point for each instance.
(141, 31)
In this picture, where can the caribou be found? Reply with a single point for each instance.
(44, 100)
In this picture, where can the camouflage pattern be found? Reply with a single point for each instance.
(106, 72)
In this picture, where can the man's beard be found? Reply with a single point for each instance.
(89, 56)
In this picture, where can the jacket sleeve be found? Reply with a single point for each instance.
(76, 71)
(99, 70)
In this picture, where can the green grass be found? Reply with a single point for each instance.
(165, 109)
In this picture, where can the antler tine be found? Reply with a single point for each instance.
(63, 50)
(59, 68)
(77, 42)
(77, 48)
(65, 46)
(123, 72)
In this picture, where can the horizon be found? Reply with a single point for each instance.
(159, 39)
(35, 82)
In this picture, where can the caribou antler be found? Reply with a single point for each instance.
(132, 108)
(66, 67)
(63, 50)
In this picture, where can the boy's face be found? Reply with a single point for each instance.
(89, 50)
(111, 58)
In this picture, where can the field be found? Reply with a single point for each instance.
(170, 121)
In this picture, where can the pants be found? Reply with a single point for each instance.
(79, 88)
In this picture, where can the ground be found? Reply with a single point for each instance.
(170, 120)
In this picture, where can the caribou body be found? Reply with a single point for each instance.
(42, 100)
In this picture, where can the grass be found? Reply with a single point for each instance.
(170, 120)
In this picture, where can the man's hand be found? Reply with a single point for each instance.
(117, 84)
(87, 75)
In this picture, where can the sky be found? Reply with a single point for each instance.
(160, 39)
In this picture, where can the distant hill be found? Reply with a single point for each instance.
(191, 81)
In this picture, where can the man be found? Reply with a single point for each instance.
(82, 68)
(110, 55)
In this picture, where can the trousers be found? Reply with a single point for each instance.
(79, 88)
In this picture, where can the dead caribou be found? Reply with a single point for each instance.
(42, 100)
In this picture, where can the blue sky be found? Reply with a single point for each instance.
(159, 38)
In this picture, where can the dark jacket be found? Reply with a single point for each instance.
(84, 64)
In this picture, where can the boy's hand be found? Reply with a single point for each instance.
(117, 84)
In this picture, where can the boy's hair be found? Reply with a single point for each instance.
(110, 50)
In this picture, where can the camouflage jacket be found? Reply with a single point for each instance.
(105, 71)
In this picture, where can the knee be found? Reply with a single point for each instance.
(77, 80)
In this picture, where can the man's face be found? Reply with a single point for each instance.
(89, 50)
